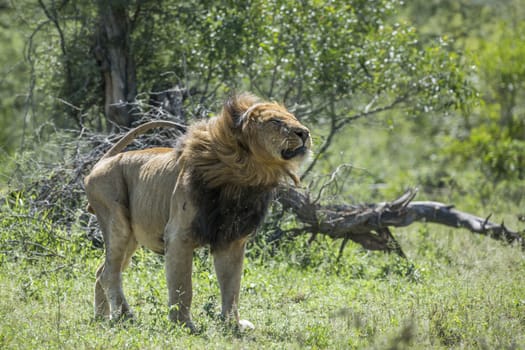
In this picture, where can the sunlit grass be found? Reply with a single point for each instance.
(456, 290)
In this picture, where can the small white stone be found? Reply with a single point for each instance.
(245, 325)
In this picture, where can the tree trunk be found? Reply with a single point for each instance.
(114, 53)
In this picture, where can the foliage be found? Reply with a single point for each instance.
(499, 153)
(491, 137)
(361, 62)
(497, 135)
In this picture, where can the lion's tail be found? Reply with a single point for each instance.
(141, 129)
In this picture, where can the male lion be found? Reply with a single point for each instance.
(212, 189)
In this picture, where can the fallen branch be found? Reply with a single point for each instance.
(369, 224)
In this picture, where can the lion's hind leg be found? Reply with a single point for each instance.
(120, 246)
(101, 302)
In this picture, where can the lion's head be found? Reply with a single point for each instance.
(274, 134)
(251, 143)
(267, 136)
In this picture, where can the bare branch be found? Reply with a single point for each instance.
(333, 178)
(336, 124)
(327, 142)
(367, 112)
(53, 18)
(369, 224)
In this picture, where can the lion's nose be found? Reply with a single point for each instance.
(302, 133)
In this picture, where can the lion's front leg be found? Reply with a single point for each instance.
(228, 262)
(179, 256)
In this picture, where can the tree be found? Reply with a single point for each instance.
(492, 33)
(13, 81)
(115, 58)
(359, 65)
(497, 131)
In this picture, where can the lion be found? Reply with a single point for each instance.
(212, 189)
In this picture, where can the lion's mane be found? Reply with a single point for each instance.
(231, 188)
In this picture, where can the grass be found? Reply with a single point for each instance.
(456, 291)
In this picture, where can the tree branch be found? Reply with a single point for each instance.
(327, 142)
(336, 125)
(368, 224)
(368, 112)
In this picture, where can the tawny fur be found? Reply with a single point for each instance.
(213, 188)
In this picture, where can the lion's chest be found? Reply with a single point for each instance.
(224, 218)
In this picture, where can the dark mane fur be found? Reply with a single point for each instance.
(223, 217)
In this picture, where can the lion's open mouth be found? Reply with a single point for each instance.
(288, 154)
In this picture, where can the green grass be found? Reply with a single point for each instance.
(456, 291)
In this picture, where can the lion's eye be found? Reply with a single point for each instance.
(277, 122)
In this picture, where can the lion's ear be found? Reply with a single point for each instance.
(238, 107)
(233, 111)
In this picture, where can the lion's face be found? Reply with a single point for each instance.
(274, 135)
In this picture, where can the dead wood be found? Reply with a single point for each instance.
(369, 224)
